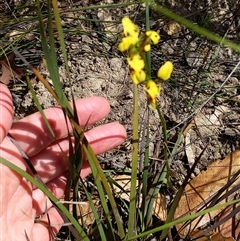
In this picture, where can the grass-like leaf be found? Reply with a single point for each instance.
(133, 192)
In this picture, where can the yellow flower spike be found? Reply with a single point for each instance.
(129, 28)
(165, 71)
(147, 47)
(153, 91)
(136, 62)
(154, 36)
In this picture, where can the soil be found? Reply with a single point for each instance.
(200, 67)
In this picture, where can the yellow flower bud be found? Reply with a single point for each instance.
(165, 71)
(154, 36)
(147, 47)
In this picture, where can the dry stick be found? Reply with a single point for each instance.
(201, 106)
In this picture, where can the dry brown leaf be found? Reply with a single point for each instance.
(159, 206)
(124, 181)
(84, 211)
(86, 214)
(9, 69)
(232, 225)
(203, 187)
(213, 236)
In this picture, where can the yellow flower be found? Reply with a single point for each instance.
(153, 91)
(136, 62)
(147, 47)
(154, 36)
(130, 34)
(165, 71)
(138, 76)
(129, 28)
(126, 43)
(136, 65)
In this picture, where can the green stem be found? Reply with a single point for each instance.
(133, 192)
